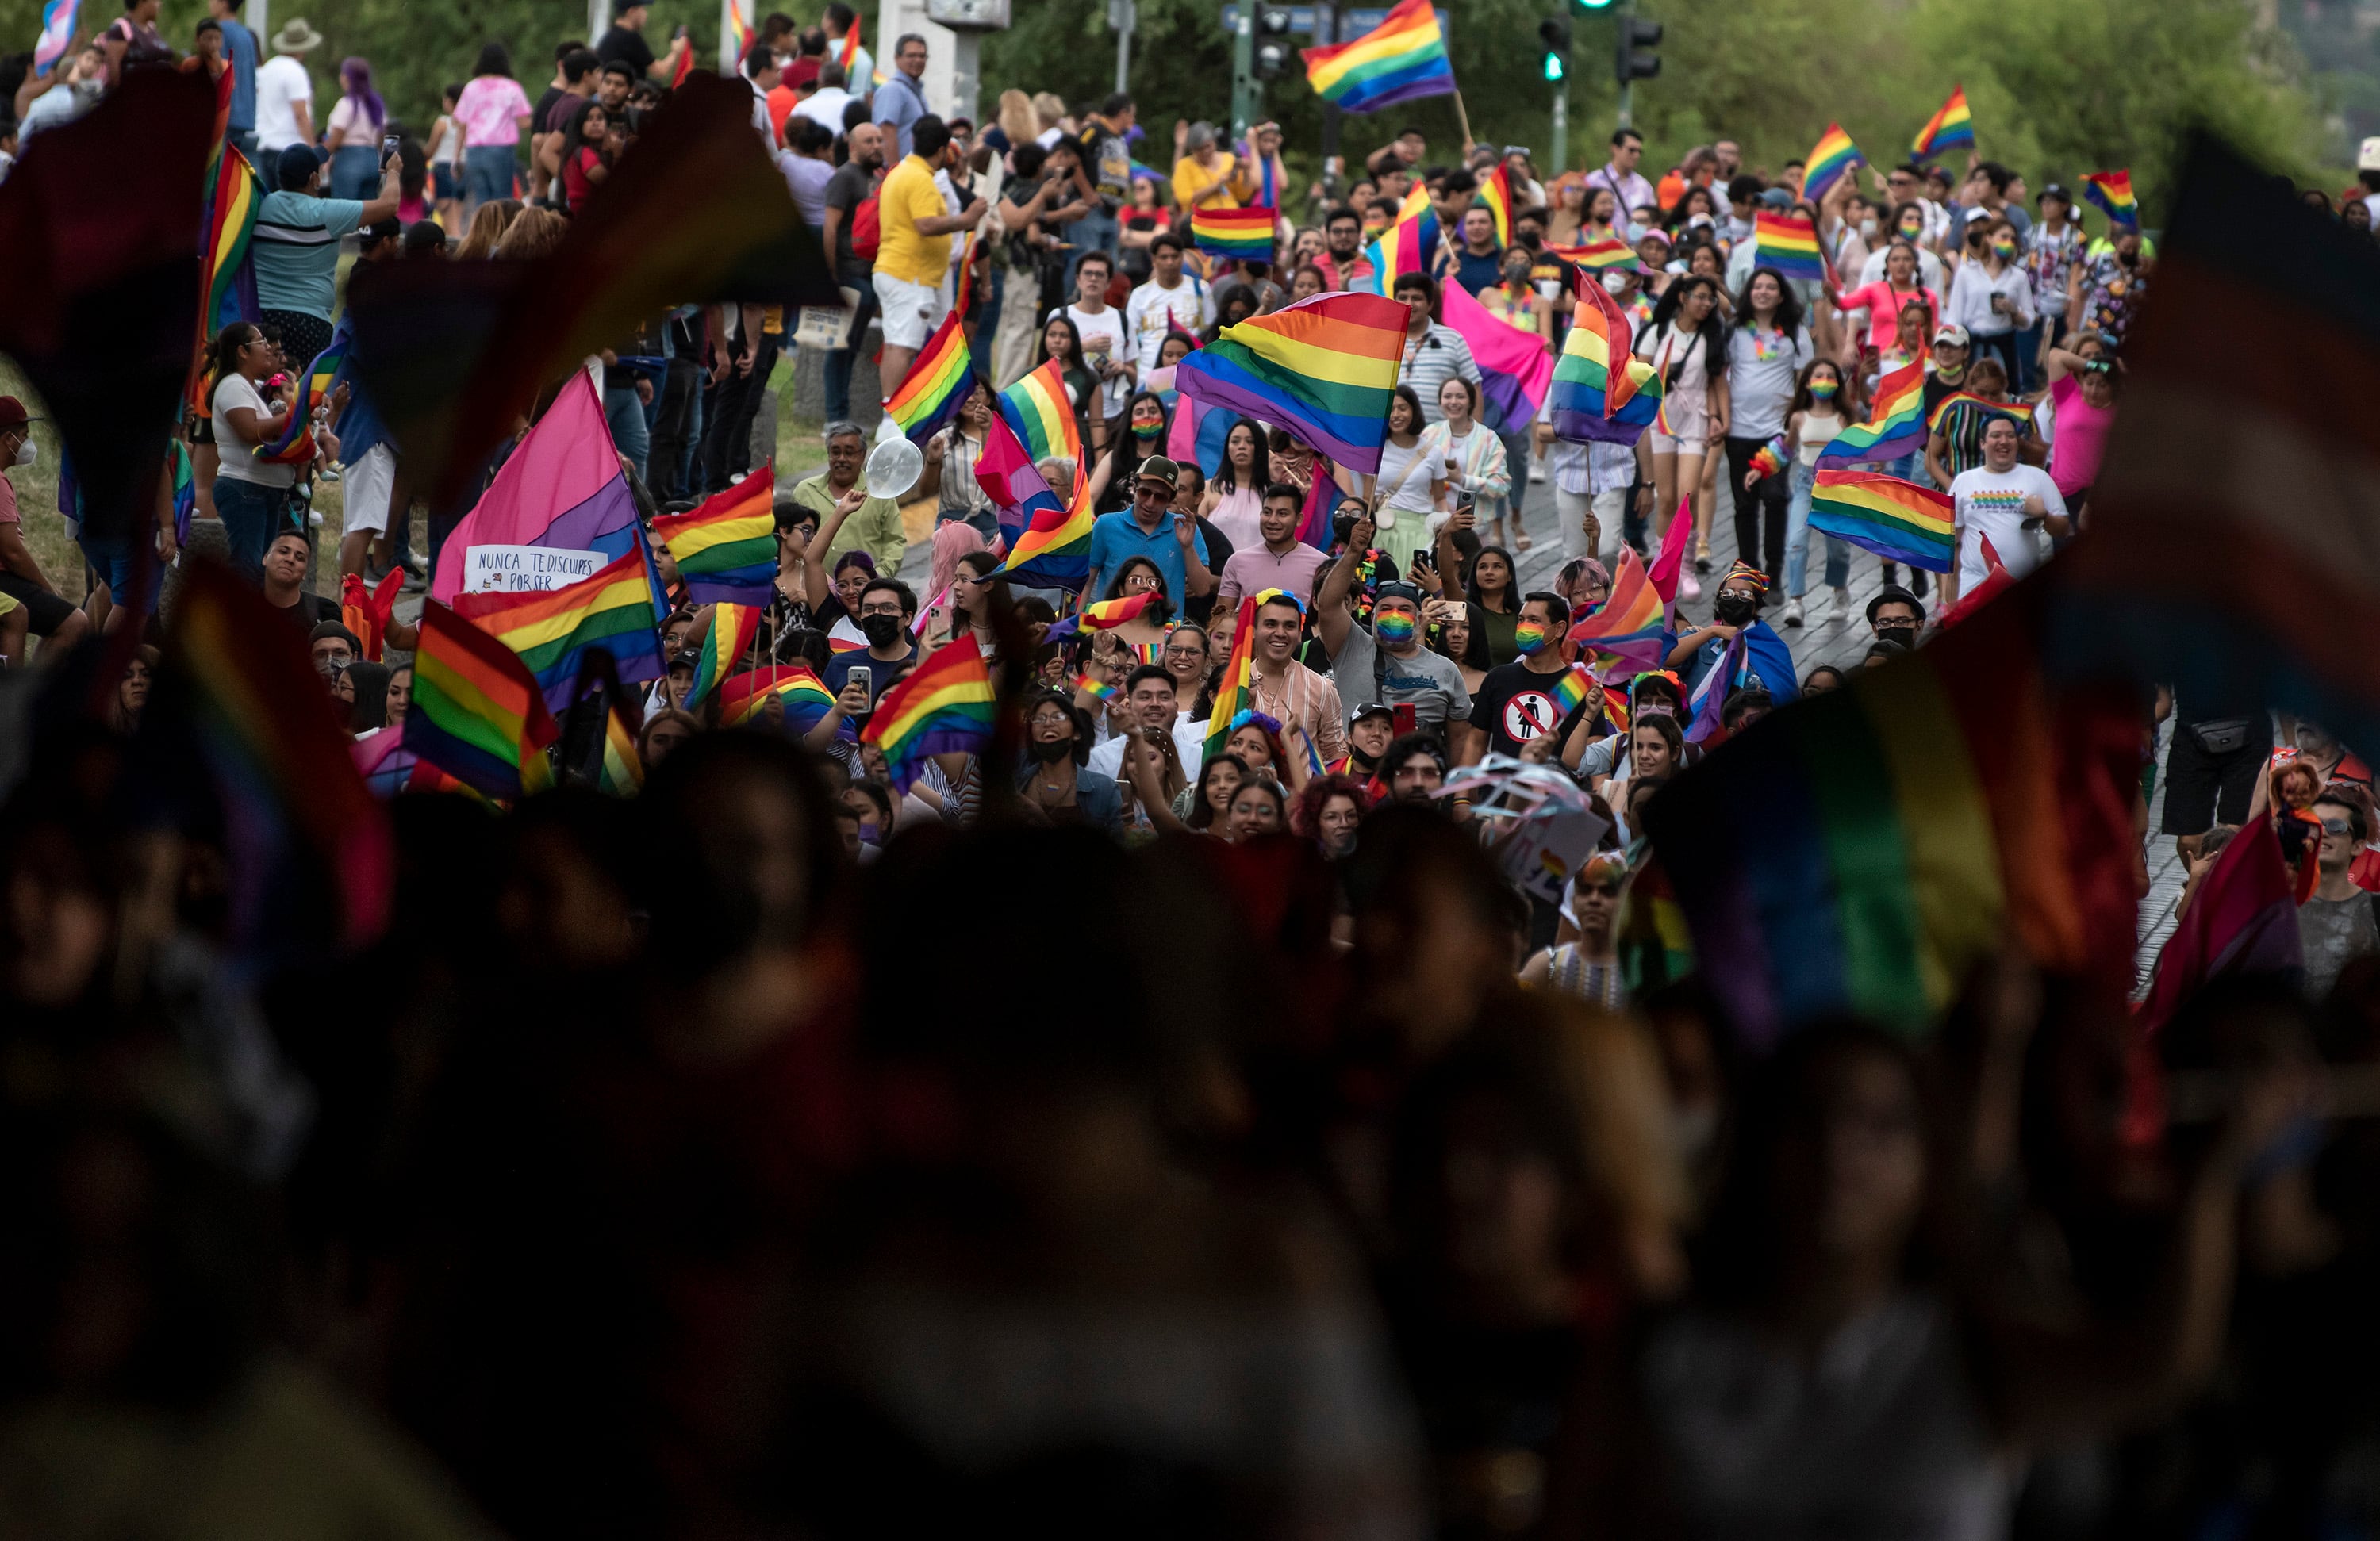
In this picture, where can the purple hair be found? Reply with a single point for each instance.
(356, 76)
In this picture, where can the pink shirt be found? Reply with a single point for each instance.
(489, 111)
(1883, 306)
(2080, 437)
(1253, 569)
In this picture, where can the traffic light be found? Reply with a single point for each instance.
(1637, 60)
(1594, 5)
(1554, 64)
(1274, 54)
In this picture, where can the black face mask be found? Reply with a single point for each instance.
(1050, 751)
(882, 631)
(1735, 610)
(2130, 259)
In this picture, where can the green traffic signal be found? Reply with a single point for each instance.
(1555, 68)
(1594, 5)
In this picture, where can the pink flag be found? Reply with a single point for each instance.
(2242, 919)
(1516, 368)
(1663, 573)
(1313, 525)
(562, 488)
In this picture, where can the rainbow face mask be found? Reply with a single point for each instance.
(1821, 389)
(1394, 626)
(2002, 246)
(1528, 638)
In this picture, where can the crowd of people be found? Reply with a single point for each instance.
(660, 1167)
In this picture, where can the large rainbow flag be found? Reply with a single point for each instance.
(1859, 852)
(1400, 59)
(937, 383)
(726, 550)
(1244, 235)
(2112, 191)
(732, 627)
(226, 270)
(1588, 404)
(805, 695)
(1323, 369)
(612, 608)
(1895, 427)
(1898, 520)
(947, 705)
(1950, 128)
(1627, 628)
(1787, 244)
(1037, 408)
(1236, 689)
(478, 713)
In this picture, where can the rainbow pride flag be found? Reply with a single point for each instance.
(732, 627)
(1037, 409)
(846, 54)
(623, 772)
(1402, 59)
(1787, 244)
(2018, 412)
(612, 608)
(1242, 234)
(1898, 520)
(1323, 369)
(1655, 944)
(1516, 368)
(1572, 690)
(937, 383)
(1861, 853)
(226, 272)
(1950, 128)
(281, 762)
(1832, 157)
(478, 713)
(945, 706)
(1597, 256)
(1587, 405)
(1628, 627)
(805, 695)
(1107, 614)
(1896, 424)
(2112, 191)
(296, 446)
(1236, 690)
(726, 550)
(1496, 195)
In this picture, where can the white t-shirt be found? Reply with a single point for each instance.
(1991, 504)
(1409, 493)
(1108, 324)
(238, 459)
(1762, 364)
(1189, 741)
(1153, 311)
(281, 86)
(824, 106)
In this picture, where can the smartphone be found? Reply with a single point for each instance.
(1402, 716)
(863, 677)
(388, 143)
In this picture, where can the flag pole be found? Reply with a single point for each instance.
(1464, 119)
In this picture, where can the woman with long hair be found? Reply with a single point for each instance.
(446, 153)
(1766, 349)
(1208, 803)
(354, 133)
(1885, 300)
(1687, 345)
(1258, 807)
(1151, 779)
(486, 231)
(1472, 458)
(494, 113)
(1821, 408)
(1062, 341)
(1233, 304)
(1458, 632)
(1145, 633)
(1184, 657)
(534, 233)
(1409, 487)
(1236, 496)
(250, 495)
(1141, 434)
(132, 690)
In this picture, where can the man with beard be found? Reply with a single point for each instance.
(1342, 261)
(1286, 690)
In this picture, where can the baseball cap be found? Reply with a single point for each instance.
(2056, 190)
(1952, 334)
(1778, 197)
(1160, 468)
(297, 162)
(12, 414)
(1397, 589)
(1372, 709)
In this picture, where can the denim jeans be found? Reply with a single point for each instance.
(675, 430)
(114, 562)
(2028, 347)
(727, 446)
(354, 171)
(488, 172)
(1801, 480)
(839, 362)
(625, 412)
(250, 515)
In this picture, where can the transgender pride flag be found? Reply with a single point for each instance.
(58, 31)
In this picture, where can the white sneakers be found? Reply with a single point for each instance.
(1793, 616)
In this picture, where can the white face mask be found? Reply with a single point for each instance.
(26, 453)
(1868, 229)
(1615, 284)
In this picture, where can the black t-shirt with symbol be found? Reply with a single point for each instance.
(1515, 704)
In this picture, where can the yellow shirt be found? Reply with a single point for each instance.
(909, 196)
(1190, 178)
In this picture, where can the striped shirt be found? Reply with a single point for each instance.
(1311, 701)
(1433, 359)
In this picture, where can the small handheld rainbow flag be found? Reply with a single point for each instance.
(1896, 425)
(1628, 627)
(478, 713)
(937, 383)
(623, 774)
(296, 446)
(1771, 458)
(1107, 614)
(1898, 520)
(1400, 60)
(1588, 404)
(946, 706)
(1834, 156)
(1243, 234)
(1406, 246)
(1094, 687)
(1950, 128)
(1496, 195)
(847, 52)
(1787, 244)
(2112, 191)
(1572, 689)
(2018, 412)
(611, 608)
(732, 627)
(1599, 256)
(805, 695)
(1323, 369)
(726, 550)
(1037, 408)
(1235, 691)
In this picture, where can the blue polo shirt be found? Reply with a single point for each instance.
(1116, 539)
